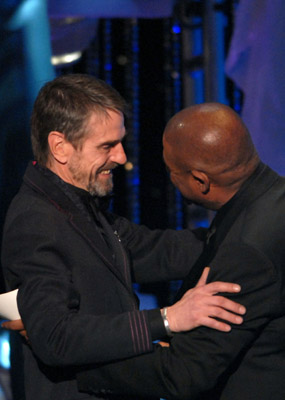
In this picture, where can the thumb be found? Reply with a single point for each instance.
(203, 279)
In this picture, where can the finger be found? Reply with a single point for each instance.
(24, 334)
(218, 325)
(203, 279)
(226, 316)
(215, 287)
(163, 344)
(227, 304)
(15, 325)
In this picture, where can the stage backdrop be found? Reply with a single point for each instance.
(256, 62)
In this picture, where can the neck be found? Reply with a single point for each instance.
(227, 192)
(62, 171)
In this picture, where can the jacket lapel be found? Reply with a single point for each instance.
(91, 235)
(81, 223)
(121, 259)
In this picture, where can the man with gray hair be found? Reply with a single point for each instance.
(74, 263)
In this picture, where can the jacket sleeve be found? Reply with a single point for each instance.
(196, 361)
(64, 327)
(159, 255)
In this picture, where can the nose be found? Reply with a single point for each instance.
(118, 154)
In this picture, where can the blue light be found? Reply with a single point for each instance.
(136, 181)
(108, 67)
(176, 29)
(133, 180)
(23, 14)
(31, 16)
(204, 223)
(108, 51)
(4, 350)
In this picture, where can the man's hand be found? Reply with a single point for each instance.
(199, 306)
(16, 325)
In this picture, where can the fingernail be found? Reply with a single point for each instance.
(242, 310)
(239, 320)
(237, 288)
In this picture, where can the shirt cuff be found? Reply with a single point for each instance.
(156, 324)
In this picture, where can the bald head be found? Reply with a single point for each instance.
(212, 138)
(209, 153)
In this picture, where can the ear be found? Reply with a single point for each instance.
(202, 180)
(59, 147)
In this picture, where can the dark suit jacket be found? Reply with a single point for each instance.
(248, 247)
(75, 287)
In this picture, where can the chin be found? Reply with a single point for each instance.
(189, 202)
(100, 190)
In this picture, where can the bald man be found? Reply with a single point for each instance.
(213, 162)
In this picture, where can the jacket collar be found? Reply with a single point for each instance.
(258, 183)
(54, 190)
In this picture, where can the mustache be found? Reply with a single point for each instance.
(106, 167)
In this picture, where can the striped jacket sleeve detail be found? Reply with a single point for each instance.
(140, 332)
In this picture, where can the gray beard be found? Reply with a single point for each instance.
(97, 189)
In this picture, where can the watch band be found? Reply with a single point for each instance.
(165, 321)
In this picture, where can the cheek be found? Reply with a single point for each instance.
(94, 161)
(97, 165)
(182, 185)
(177, 182)
(173, 179)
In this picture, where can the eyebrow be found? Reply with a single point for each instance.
(110, 143)
(113, 142)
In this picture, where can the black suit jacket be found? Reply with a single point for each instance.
(75, 286)
(248, 247)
